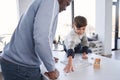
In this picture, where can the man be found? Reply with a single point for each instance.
(31, 42)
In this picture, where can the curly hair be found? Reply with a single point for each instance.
(80, 21)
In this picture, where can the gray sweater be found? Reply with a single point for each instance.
(32, 39)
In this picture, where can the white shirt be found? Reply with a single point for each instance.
(73, 39)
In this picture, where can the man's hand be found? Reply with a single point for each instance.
(52, 74)
(56, 59)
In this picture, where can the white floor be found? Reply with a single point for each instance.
(116, 55)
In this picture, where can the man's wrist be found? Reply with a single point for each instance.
(52, 74)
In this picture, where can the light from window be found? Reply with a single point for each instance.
(8, 16)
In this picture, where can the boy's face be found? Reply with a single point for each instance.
(80, 30)
(63, 4)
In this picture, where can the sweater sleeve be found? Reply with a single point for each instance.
(43, 23)
(70, 52)
(84, 41)
(70, 44)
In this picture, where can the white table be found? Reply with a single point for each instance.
(109, 70)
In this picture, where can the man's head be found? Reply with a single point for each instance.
(79, 24)
(63, 4)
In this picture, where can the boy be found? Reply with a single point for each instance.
(76, 41)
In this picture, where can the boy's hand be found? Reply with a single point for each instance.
(84, 56)
(53, 75)
(68, 68)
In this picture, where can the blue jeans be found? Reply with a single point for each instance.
(79, 49)
(13, 71)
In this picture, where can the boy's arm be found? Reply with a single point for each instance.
(84, 41)
(71, 46)
(70, 60)
(70, 52)
(69, 67)
(85, 44)
(84, 49)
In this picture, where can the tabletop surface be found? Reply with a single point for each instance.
(84, 70)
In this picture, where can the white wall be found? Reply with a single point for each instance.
(8, 16)
(104, 23)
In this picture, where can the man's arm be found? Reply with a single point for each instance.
(43, 23)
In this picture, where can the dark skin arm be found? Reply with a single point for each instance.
(52, 74)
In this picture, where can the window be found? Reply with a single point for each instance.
(86, 8)
(119, 21)
(114, 0)
(8, 20)
(64, 23)
(81, 7)
(113, 26)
